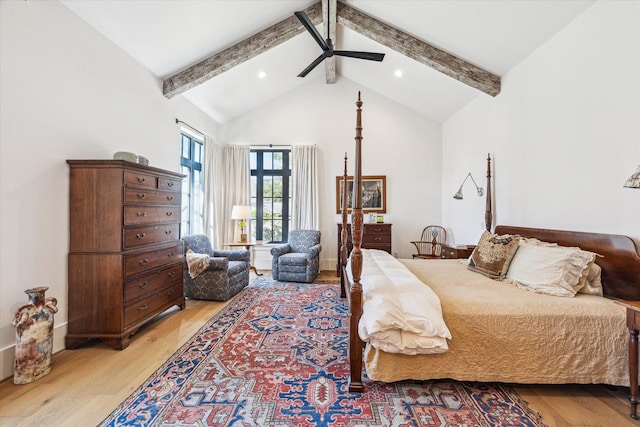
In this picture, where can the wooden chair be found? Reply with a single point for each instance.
(431, 241)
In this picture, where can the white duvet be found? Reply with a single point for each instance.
(400, 313)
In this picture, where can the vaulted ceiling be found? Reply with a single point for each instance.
(212, 52)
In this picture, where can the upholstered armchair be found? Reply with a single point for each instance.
(299, 259)
(218, 275)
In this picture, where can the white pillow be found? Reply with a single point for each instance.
(593, 286)
(552, 270)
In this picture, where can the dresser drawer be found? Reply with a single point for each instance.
(169, 184)
(150, 283)
(140, 179)
(376, 239)
(377, 229)
(151, 197)
(151, 305)
(150, 214)
(140, 262)
(134, 237)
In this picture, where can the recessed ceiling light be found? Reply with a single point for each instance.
(262, 74)
(398, 73)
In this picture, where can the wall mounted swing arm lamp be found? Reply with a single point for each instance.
(634, 180)
(458, 195)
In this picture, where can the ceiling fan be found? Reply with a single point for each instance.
(327, 46)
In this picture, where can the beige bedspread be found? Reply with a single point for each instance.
(503, 333)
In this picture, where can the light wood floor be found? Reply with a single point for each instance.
(86, 384)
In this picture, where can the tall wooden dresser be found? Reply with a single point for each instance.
(125, 253)
(374, 236)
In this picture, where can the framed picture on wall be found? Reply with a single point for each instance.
(374, 193)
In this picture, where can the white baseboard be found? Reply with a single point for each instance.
(7, 355)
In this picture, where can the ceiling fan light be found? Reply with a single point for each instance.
(262, 74)
(398, 73)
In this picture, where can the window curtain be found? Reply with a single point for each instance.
(304, 176)
(213, 189)
(227, 183)
(236, 189)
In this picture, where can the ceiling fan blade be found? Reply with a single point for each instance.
(360, 55)
(313, 65)
(306, 22)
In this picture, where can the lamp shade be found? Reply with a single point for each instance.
(241, 212)
(634, 180)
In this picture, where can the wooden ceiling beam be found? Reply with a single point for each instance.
(330, 15)
(418, 50)
(239, 53)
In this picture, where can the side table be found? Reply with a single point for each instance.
(633, 323)
(248, 246)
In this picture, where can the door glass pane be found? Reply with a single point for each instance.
(267, 189)
(186, 146)
(276, 233)
(268, 161)
(197, 156)
(277, 160)
(277, 207)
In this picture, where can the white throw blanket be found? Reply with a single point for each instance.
(401, 314)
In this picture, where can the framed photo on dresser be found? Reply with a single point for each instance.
(374, 193)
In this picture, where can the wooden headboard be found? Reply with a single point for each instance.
(620, 260)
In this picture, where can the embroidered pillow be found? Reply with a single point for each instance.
(493, 254)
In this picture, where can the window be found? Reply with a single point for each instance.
(270, 194)
(192, 185)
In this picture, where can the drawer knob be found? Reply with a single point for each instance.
(143, 307)
(168, 232)
(142, 196)
(143, 261)
(169, 184)
(171, 254)
(143, 284)
(169, 197)
(141, 179)
(140, 235)
(169, 213)
(172, 274)
(377, 238)
(141, 213)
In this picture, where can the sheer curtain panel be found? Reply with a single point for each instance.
(304, 174)
(236, 189)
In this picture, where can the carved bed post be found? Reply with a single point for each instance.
(488, 214)
(355, 346)
(343, 236)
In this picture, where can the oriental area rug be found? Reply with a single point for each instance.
(277, 356)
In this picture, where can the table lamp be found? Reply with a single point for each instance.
(241, 213)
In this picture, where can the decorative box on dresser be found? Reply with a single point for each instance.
(374, 236)
(125, 253)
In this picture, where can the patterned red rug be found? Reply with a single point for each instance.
(275, 356)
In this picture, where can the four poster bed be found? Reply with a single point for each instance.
(489, 330)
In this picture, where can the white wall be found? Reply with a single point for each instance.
(67, 93)
(397, 142)
(564, 133)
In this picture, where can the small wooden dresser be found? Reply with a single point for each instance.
(374, 236)
(125, 253)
